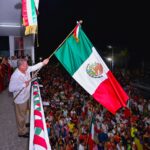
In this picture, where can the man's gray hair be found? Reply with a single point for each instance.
(20, 62)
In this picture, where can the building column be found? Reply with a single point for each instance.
(33, 50)
(11, 46)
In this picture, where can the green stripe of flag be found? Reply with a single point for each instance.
(38, 108)
(38, 131)
(36, 102)
(72, 54)
(36, 96)
(33, 9)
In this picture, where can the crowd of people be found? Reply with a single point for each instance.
(71, 111)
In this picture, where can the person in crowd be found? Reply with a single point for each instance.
(7, 71)
(13, 62)
(69, 146)
(20, 81)
(81, 145)
(1, 78)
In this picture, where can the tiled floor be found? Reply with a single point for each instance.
(9, 139)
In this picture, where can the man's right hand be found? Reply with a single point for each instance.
(45, 61)
(27, 83)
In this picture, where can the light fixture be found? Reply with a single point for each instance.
(109, 59)
(10, 25)
(109, 46)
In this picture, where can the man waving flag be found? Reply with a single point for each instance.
(84, 64)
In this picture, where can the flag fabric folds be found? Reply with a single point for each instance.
(80, 58)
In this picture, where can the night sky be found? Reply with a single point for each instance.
(117, 24)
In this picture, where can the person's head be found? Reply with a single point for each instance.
(4, 60)
(22, 65)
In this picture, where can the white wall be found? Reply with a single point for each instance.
(29, 46)
(10, 18)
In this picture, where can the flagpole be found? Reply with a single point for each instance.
(78, 22)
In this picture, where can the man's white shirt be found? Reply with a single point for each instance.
(17, 82)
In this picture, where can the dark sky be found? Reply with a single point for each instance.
(119, 24)
(4, 43)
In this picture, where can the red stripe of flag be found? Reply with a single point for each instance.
(38, 113)
(24, 13)
(38, 104)
(39, 141)
(38, 124)
(110, 94)
(35, 93)
(75, 32)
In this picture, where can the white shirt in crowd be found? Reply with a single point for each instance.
(105, 127)
(17, 82)
(120, 147)
(140, 107)
(99, 117)
(13, 63)
(81, 147)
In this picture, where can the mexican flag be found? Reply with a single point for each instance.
(84, 64)
(92, 128)
(91, 136)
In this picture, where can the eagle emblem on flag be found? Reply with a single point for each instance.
(94, 70)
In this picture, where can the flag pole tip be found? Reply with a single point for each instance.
(81, 21)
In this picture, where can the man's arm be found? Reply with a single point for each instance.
(39, 65)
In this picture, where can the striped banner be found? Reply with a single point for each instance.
(38, 131)
(29, 14)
